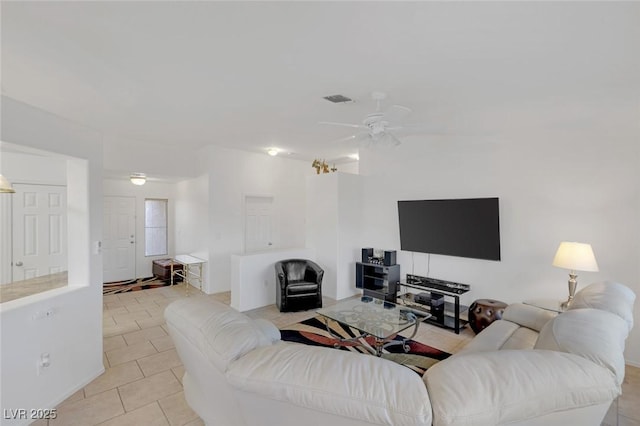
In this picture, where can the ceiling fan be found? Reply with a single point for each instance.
(379, 126)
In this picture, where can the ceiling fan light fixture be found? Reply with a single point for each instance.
(5, 186)
(138, 178)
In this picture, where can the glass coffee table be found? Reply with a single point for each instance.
(372, 317)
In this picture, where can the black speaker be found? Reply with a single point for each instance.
(366, 254)
(389, 257)
(437, 307)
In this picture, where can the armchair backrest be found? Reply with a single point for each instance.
(299, 270)
(295, 269)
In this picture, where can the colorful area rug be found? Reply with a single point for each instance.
(314, 332)
(133, 285)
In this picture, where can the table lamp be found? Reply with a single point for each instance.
(575, 257)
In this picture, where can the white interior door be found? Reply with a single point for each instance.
(39, 230)
(259, 232)
(119, 239)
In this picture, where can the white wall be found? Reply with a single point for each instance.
(234, 174)
(253, 276)
(333, 229)
(73, 334)
(192, 220)
(151, 189)
(557, 181)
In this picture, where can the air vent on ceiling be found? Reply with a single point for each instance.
(338, 99)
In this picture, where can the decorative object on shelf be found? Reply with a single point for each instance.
(5, 186)
(321, 166)
(575, 257)
(483, 312)
(138, 178)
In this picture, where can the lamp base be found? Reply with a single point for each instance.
(573, 284)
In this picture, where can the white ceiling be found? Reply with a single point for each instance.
(252, 75)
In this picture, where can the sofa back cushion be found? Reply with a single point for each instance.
(607, 296)
(220, 332)
(596, 335)
(361, 387)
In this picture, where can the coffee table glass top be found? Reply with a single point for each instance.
(372, 316)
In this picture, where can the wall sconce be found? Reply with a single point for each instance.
(5, 186)
(138, 178)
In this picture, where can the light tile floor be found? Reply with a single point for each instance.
(142, 382)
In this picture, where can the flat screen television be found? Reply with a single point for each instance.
(467, 227)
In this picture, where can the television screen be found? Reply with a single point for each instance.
(458, 227)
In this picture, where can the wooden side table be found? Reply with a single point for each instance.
(483, 312)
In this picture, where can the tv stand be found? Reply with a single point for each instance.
(432, 299)
(378, 281)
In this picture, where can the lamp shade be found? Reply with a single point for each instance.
(575, 256)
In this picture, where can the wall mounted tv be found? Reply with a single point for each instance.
(467, 227)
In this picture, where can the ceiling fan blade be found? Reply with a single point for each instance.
(354, 126)
(394, 140)
(418, 128)
(347, 139)
(396, 113)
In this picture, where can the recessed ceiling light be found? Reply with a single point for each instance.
(138, 178)
(272, 151)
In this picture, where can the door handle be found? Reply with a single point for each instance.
(18, 263)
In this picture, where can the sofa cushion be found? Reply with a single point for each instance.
(502, 387)
(607, 296)
(596, 335)
(357, 386)
(220, 332)
(528, 316)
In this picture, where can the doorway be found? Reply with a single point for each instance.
(258, 223)
(39, 231)
(119, 239)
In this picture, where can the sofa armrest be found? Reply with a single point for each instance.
(514, 385)
(528, 316)
(367, 388)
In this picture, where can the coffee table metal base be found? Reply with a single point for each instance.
(379, 344)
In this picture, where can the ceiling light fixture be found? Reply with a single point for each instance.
(5, 186)
(354, 157)
(138, 178)
(272, 151)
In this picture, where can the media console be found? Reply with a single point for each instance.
(432, 299)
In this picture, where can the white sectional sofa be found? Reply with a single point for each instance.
(530, 368)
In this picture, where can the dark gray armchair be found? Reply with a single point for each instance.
(298, 285)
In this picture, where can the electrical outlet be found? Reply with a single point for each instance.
(47, 313)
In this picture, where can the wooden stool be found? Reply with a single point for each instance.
(483, 312)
